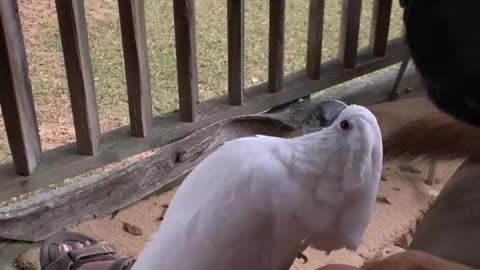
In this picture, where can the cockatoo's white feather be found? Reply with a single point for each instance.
(251, 203)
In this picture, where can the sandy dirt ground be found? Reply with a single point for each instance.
(404, 196)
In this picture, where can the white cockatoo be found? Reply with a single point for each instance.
(257, 202)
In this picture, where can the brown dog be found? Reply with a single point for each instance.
(409, 260)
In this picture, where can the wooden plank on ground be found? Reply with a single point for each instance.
(16, 97)
(185, 42)
(78, 65)
(61, 163)
(276, 56)
(127, 186)
(235, 14)
(135, 52)
(138, 180)
(315, 38)
(380, 26)
(349, 31)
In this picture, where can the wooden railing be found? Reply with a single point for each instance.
(32, 169)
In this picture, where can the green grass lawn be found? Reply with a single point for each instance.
(48, 75)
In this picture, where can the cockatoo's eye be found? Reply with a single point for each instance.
(345, 125)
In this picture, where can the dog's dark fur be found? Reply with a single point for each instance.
(445, 46)
(444, 40)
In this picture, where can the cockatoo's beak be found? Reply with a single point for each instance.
(322, 115)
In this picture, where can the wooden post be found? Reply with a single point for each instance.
(315, 38)
(135, 52)
(350, 29)
(380, 26)
(16, 97)
(186, 47)
(78, 64)
(276, 46)
(235, 14)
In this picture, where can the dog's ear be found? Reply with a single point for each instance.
(445, 53)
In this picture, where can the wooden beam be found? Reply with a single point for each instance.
(349, 31)
(186, 48)
(315, 38)
(380, 26)
(16, 97)
(61, 163)
(135, 52)
(235, 14)
(78, 64)
(276, 46)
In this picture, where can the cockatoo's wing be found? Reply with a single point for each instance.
(225, 205)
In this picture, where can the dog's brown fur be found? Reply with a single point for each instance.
(413, 260)
(434, 136)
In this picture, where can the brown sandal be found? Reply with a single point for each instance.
(52, 259)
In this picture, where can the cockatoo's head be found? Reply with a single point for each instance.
(351, 138)
(346, 141)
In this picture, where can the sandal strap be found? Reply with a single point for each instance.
(98, 249)
(63, 262)
(66, 263)
(98, 252)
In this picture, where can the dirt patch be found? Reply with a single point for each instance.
(391, 224)
(35, 14)
(409, 197)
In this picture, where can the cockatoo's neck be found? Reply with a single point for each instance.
(317, 154)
